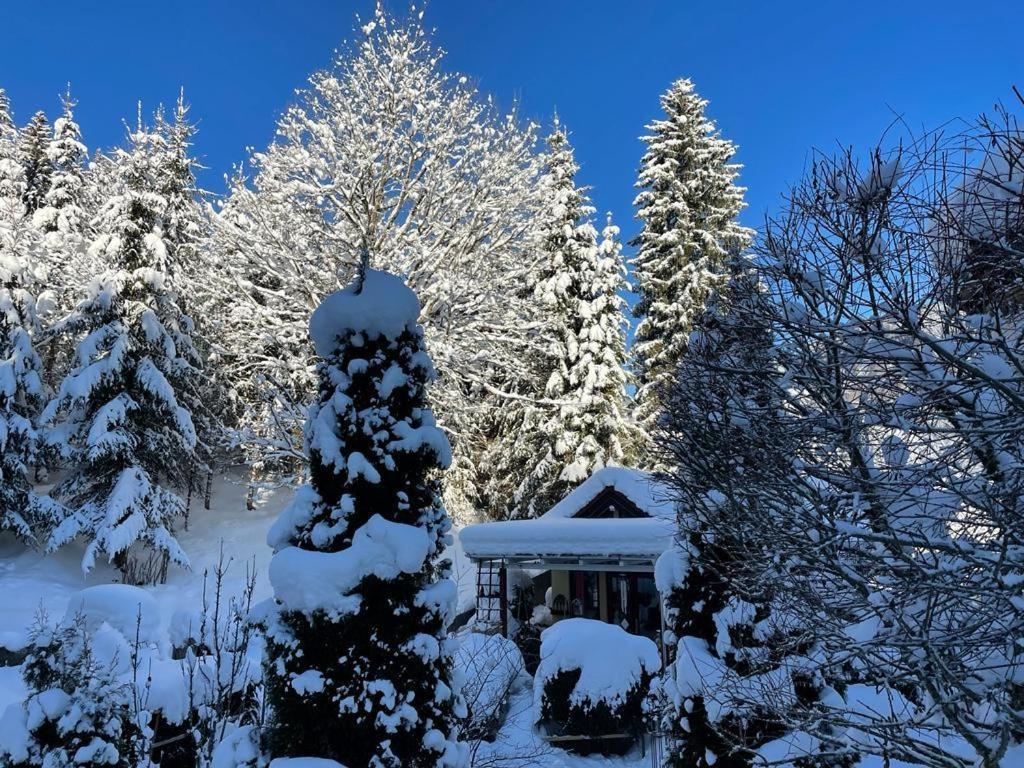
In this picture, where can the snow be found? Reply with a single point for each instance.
(304, 762)
(642, 488)
(574, 537)
(30, 581)
(611, 661)
(492, 669)
(126, 608)
(308, 580)
(383, 305)
(670, 570)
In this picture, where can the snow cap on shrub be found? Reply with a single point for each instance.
(381, 304)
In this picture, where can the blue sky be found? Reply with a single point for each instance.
(782, 77)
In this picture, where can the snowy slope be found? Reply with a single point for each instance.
(31, 581)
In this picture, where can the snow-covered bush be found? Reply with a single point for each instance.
(220, 655)
(358, 663)
(592, 680)
(80, 708)
(491, 668)
(854, 495)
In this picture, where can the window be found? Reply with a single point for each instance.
(585, 595)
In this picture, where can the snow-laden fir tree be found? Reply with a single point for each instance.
(21, 389)
(599, 426)
(7, 127)
(183, 223)
(388, 149)
(22, 510)
(62, 209)
(358, 659)
(78, 711)
(35, 143)
(120, 419)
(62, 221)
(183, 229)
(579, 423)
(688, 206)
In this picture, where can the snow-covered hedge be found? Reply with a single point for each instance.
(491, 668)
(592, 679)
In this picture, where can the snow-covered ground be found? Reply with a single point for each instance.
(518, 746)
(31, 582)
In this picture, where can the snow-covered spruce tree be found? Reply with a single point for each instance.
(62, 210)
(21, 393)
(62, 221)
(21, 389)
(688, 206)
(597, 379)
(35, 143)
(183, 229)
(77, 712)
(120, 418)
(183, 224)
(578, 423)
(7, 127)
(387, 149)
(358, 663)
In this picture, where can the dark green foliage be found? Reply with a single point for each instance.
(589, 718)
(35, 140)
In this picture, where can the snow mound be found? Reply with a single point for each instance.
(307, 580)
(610, 660)
(383, 305)
(123, 607)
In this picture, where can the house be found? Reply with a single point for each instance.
(591, 555)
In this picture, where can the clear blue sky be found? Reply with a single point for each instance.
(781, 76)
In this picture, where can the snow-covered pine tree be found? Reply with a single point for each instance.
(578, 422)
(6, 118)
(688, 206)
(62, 203)
(600, 424)
(358, 661)
(184, 227)
(35, 143)
(120, 418)
(21, 391)
(62, 221)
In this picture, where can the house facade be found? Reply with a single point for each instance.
(592, 555)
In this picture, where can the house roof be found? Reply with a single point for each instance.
(641, 488)
(560, 534)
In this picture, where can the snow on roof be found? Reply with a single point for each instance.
(383, 306)
(645, 537)
(558, 533)
(650, 495)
